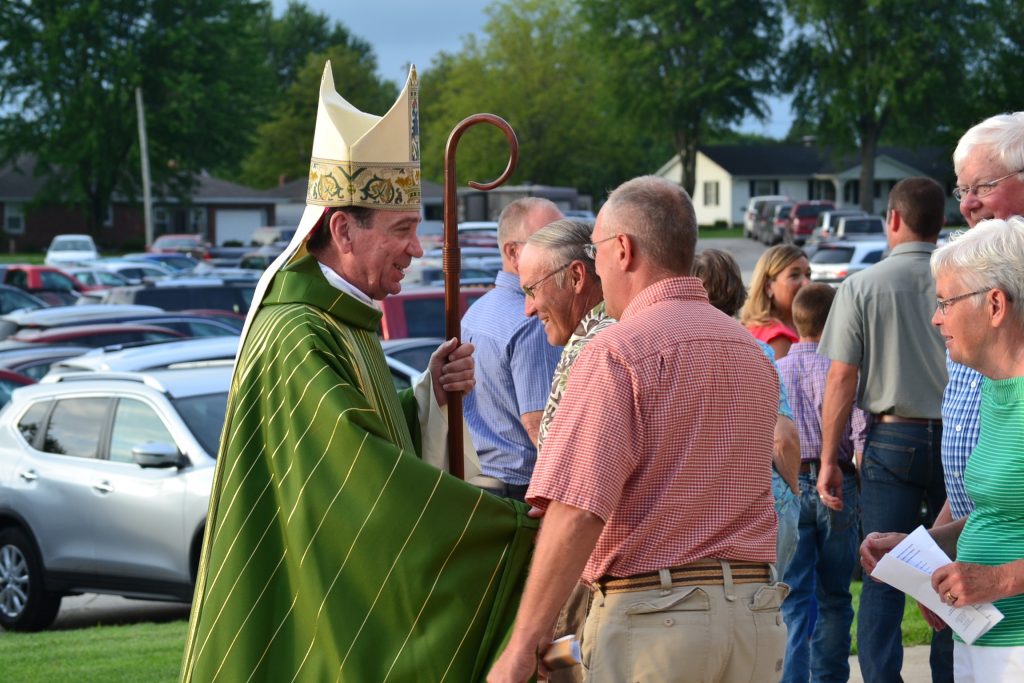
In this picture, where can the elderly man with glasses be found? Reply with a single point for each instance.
(565, 295)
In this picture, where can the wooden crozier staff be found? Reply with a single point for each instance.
(452, 260)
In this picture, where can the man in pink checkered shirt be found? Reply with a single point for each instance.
(655, 477)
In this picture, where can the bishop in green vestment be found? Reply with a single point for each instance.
(333, 552)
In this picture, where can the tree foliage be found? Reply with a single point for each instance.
(300, 32)
(283, 145)
(535, 68)
(865, 69)
(687, 68)
(68, 73)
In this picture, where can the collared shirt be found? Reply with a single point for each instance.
(334, 279)
(593, 322)
(961, 404)
(514, 365)
(804, 371)
(665, 432)
(881, 322)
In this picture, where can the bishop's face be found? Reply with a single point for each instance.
(382, 250)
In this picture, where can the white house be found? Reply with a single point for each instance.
(727, 176)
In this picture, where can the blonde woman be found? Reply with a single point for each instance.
(768, 312)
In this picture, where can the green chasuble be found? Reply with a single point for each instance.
(332, 552)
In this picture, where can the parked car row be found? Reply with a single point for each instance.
(106, 468)
(774, 219)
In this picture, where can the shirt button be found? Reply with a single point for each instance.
(957, 428)
(974, 384)
(956, 475)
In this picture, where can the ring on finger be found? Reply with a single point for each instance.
(951, 598)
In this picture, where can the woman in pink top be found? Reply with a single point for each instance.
(768, 312)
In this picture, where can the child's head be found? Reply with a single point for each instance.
(722, 279)
(810, 309)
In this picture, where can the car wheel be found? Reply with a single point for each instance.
(25, 604)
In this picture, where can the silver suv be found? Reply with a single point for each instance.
(104, 486)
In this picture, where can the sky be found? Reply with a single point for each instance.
(403, 31)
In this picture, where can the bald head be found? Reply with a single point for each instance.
(517, 223)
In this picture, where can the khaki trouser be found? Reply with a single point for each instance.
(570, 620)
(711, 633)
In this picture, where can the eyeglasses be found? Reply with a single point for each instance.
(943, 304)
(530, 290)
(980, 189)
(591, 249)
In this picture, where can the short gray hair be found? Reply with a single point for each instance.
(565, 241)
(1003, 133)
(660, 215)
(510, 222)
(991, 254)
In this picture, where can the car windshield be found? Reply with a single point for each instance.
(176, 242)
(72, 245)
(809, 210)
(832, 255)
(204, 416)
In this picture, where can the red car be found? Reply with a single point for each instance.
(94, 335)
(181, 243)
(419, 312)
(802, 219)
(50, 284)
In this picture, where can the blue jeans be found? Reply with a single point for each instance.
(787, 510)
(820, 574)
(901, 471)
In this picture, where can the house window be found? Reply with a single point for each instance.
(851, 192)
(760, 187)
(108, 217)
(161, 221)
(711, 193)
(197, 221)
(14, 219)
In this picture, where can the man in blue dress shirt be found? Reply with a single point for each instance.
(514, 362)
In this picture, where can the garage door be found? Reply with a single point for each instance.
(238, 224)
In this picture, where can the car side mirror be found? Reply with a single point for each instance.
(157, 454)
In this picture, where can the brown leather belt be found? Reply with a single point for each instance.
(699, 573)
(897, 419)
(812, 467)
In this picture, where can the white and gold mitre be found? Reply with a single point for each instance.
(364, 160)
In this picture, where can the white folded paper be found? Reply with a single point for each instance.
(909, 567)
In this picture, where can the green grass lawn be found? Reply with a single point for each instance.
(101, 654)
(706, 233)
(22, 258)
(152, 652)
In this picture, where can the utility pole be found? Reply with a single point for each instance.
(147, 198)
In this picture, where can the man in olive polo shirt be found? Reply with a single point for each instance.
(886, 353)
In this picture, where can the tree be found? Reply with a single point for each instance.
(687, 68)
(299, 32)
(68, 73)
(533, 67)
(284, 144)
(864, 69)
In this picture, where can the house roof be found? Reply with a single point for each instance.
(18, 182)
(801, 160)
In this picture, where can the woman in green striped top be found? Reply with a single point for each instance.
(979, 282)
